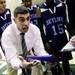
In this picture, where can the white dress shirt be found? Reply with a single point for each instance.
(12, 44)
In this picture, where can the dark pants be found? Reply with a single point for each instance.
(60, 71)
(57, 70)
(66, 67)
(26, 71)
(65, 57)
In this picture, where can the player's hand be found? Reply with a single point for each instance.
(72, 40)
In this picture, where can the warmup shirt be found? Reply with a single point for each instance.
(54, 22)
(33, 17)
(5, 20)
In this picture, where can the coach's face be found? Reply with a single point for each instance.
(22, 21)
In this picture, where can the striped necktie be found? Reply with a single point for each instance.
(23, 43)
(25, 53)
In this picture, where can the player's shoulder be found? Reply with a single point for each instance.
(59, 5)
(43, 5)
(7, 11)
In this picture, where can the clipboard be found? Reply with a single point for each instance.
(43, 58)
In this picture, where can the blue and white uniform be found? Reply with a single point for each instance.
(54, 22)
(5, 20)
(33, 16)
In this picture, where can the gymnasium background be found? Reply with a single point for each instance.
(12, 4)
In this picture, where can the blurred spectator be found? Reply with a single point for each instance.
(5, 16)
(71, 14)
(34, 11)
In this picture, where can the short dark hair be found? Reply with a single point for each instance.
(20, 10)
